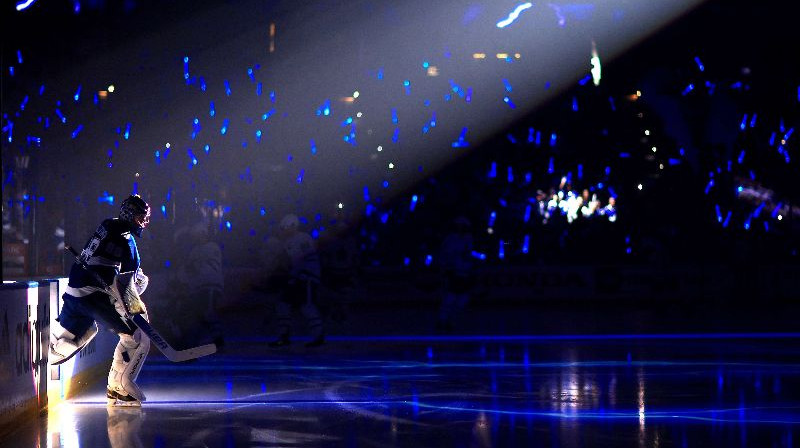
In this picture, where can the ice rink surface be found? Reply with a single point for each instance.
(726, 390)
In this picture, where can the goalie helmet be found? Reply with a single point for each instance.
(136, 212)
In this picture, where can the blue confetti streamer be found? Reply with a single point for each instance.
(211, 110)
(258, 89)
(250, 74)
(224, 129)
(77, 95)
(507, 84)
(192, 158)
(77, 131)
(186, 68)
(203, 85)
(709, 185)
(407, 86)
(106, 198)
(510, 103)
(313, 147)
(413, 203)
(585, 80)
(396, 135)
(394, 115)
(478, 255)
(325, 108)
(700, 65)
(743, 124)
(461, 142)
(688, 89)
(61, 116)
(300, 176)
(127, 133)
(513, 15)
(525, 244)
(227, 88)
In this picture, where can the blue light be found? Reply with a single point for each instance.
(501, 251)
(492, 217)
(425, 64)
(510, 103)
(699, 64)
(24, 5)
(525, 244)
(406, 261)
(428, 260)
(553, 139)
(224, 129)
(493, 170)
(413, 204)
(527, 216)
(228, 225)
(510, 175)
(574, 104)
(211, 110)
(127, 133)
(227, 88)
(513, 15)
(313, 147)
(394, 115)
(258, 89)
(688, 89)
(77, 131)
(710, 184)
(77, 95)
(478, 255)
(386, 184)
(507, 84)
(300, 176)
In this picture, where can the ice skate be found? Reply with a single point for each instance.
(121, 399)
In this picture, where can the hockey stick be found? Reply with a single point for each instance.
(165, 348)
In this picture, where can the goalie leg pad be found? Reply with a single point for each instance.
(128, 360)
(64, 345)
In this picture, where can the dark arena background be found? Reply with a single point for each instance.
(619, 177)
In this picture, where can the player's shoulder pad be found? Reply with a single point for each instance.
(116, 226)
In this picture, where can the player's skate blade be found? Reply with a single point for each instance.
(117, 399)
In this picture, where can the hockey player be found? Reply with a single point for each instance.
(110, 251)
(301, 286)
